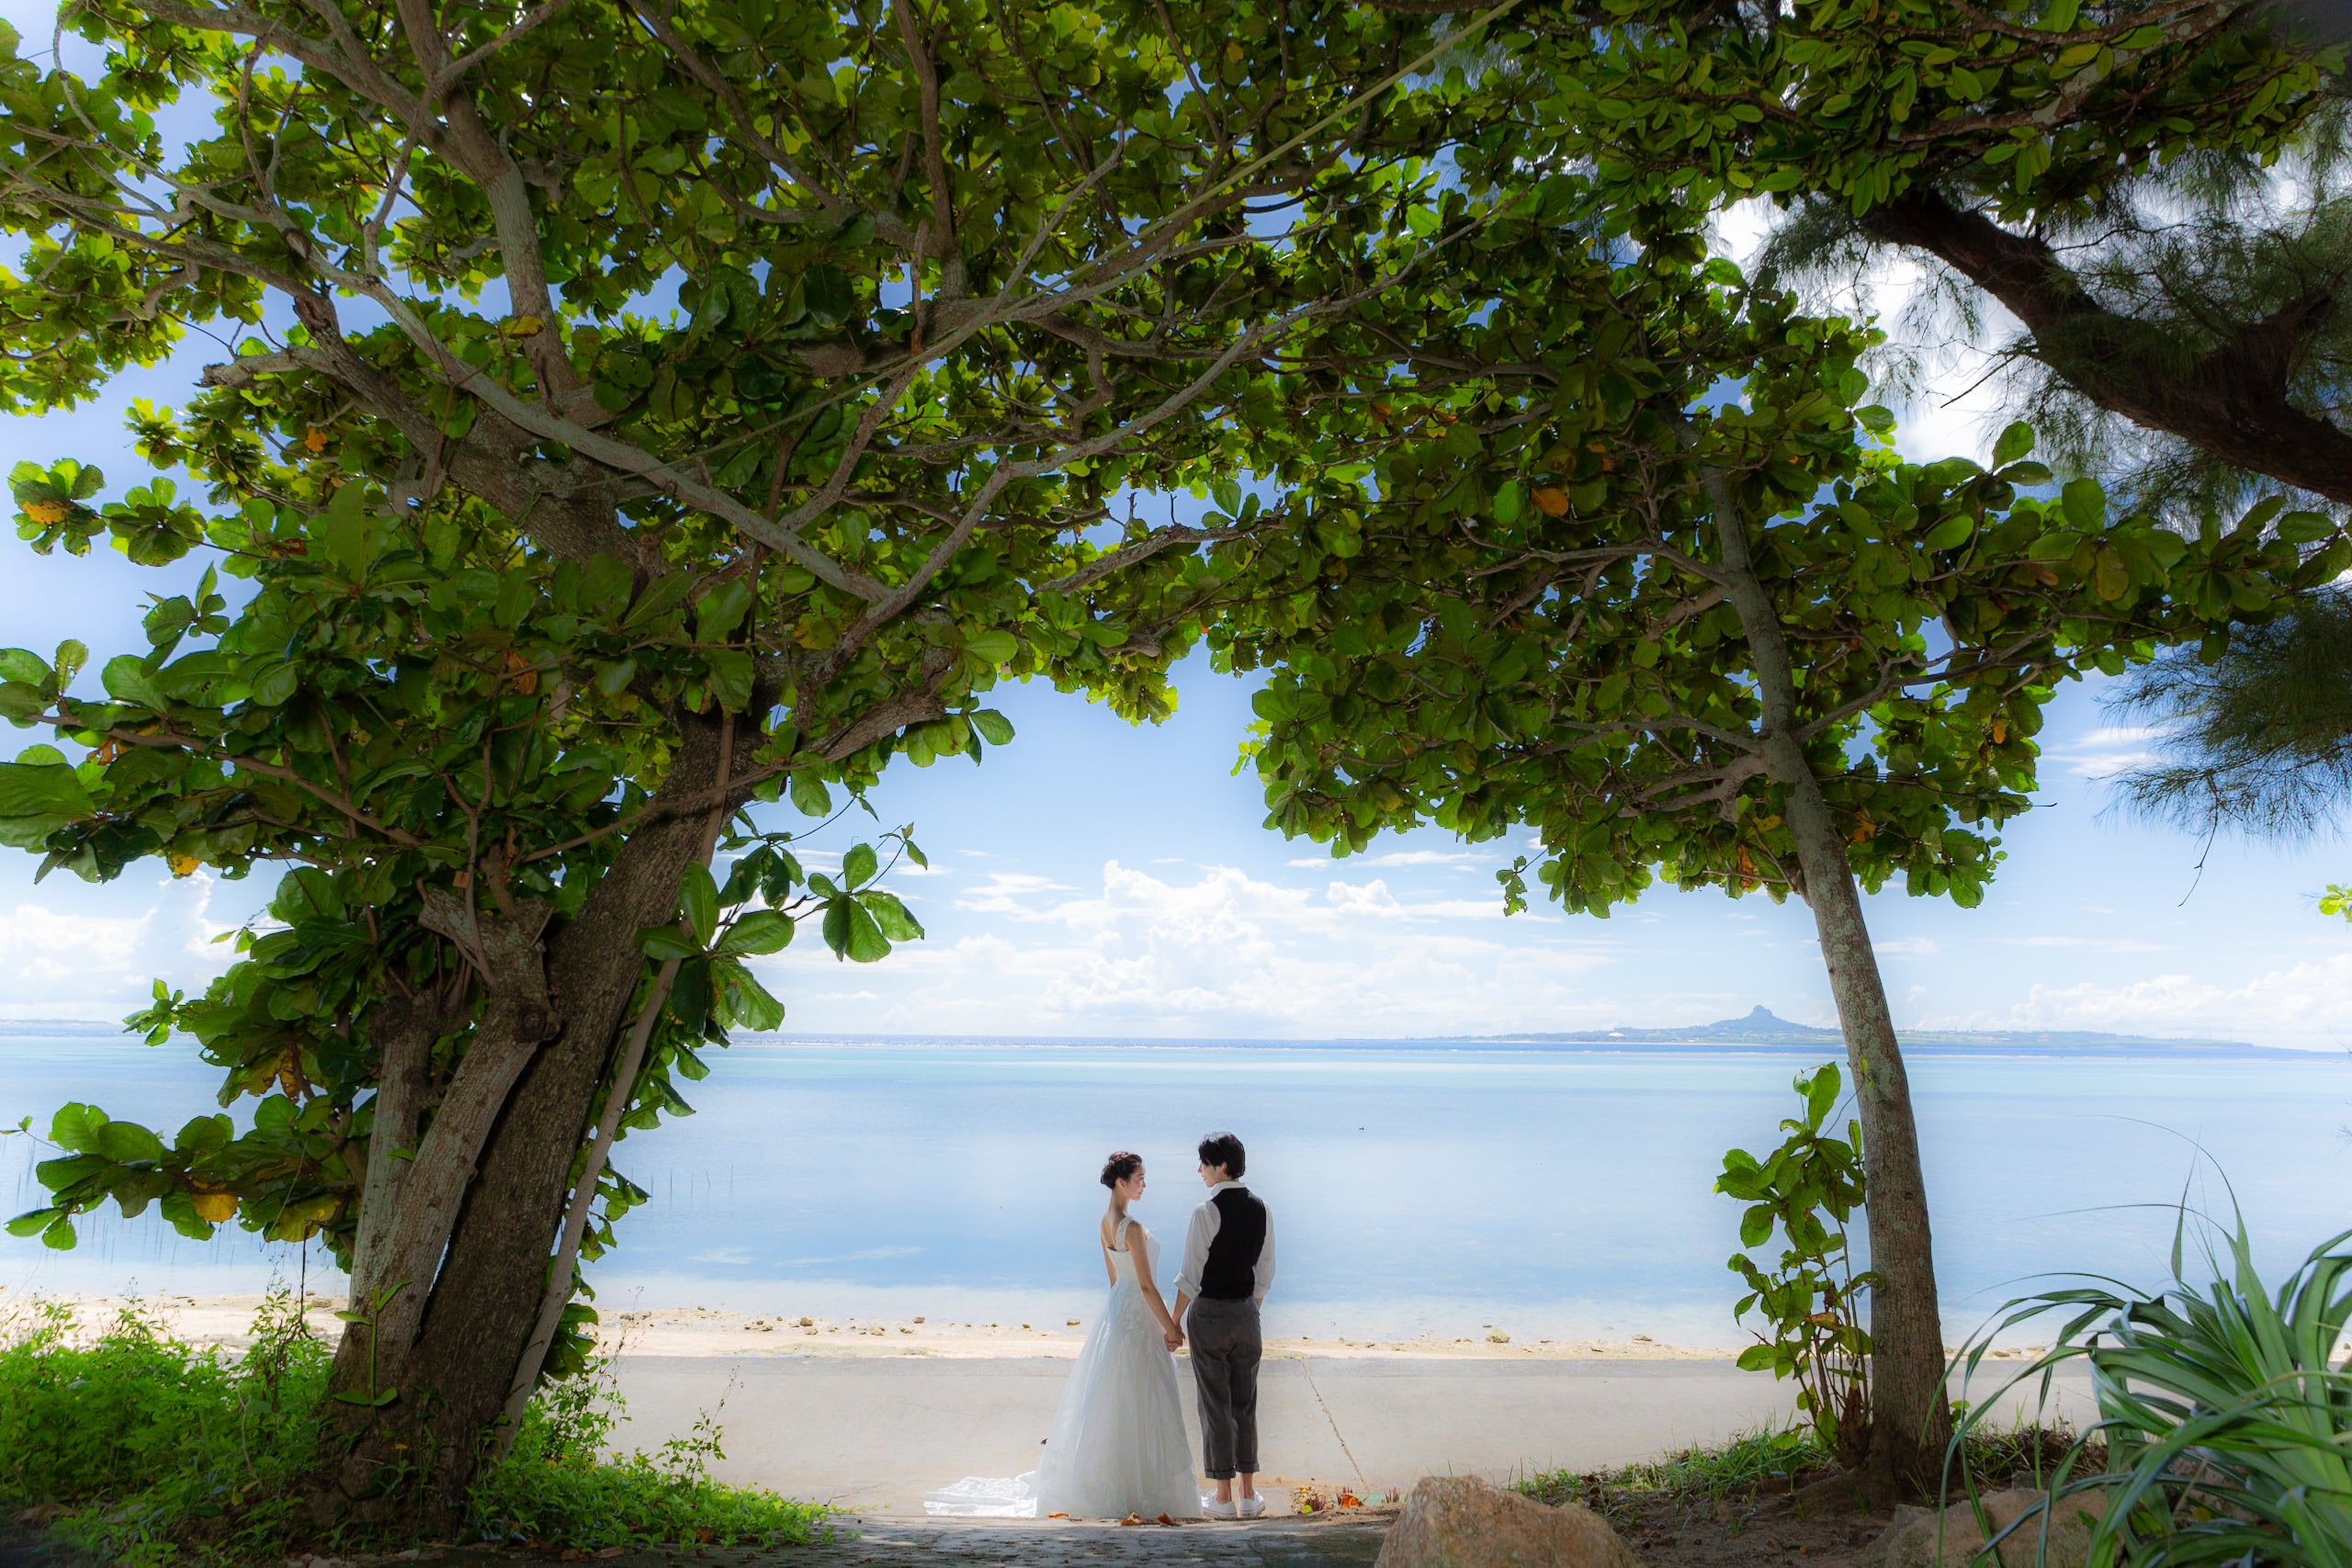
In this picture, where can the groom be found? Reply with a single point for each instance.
(1228, 1264)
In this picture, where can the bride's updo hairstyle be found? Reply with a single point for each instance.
(1119, 1167)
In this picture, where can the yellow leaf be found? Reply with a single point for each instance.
(1552, 502)
(47, 512)
(524, 326)
(315, 439)
(183, 865)
(215, 1206)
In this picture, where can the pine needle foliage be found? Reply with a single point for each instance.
(2257, 741)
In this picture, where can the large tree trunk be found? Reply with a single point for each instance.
(481, 1208)
(1910, 1414)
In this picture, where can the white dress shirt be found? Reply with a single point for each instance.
(1207, 1220)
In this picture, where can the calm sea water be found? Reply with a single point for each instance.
(1551, 1192)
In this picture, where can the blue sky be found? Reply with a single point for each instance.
(1094, 879)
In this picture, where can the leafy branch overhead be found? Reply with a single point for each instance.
(636, 416)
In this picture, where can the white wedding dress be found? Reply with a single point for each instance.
(1117, 1445)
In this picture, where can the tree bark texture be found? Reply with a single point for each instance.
(2230, 402)
(482, 1206)
(1910, 1414)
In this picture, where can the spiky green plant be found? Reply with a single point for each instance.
(2226, 1413)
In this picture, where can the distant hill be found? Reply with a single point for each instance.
(1764, 1030)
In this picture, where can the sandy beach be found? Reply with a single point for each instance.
(868, 1415)
(226, 1321)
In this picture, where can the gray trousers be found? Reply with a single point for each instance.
(1226, 1350)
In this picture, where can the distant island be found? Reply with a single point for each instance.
(1763, 1029)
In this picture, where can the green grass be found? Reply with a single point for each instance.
(1770, 1459)
(1773, 1460)
(161, 1454)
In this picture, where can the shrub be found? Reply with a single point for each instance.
(162, 1454)
(2226, 1425)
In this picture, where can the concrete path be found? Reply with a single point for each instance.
(872, 1436)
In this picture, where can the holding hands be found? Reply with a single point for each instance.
(1174, 1337)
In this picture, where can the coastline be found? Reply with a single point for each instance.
(703, 1333)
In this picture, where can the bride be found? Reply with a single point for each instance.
(1118, 1446)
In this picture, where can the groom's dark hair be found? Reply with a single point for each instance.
(1224, 1149)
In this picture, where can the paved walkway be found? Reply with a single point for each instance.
(872, 1436)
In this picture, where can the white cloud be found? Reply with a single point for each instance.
(2106, 751)
(1219, 953)
(58, 962)
(1459, 858)
(1909, 947)
(2096, 943)
(2307, 1004)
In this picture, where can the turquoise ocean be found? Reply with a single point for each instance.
(1415, 1187)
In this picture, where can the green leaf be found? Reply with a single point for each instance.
(2016, 441)
(859, 865)
(1952, 533)
(663, 595)
(731, 677)
(127, 680)
(1227, 492)
(2084, 503)
(76, 1127)
(994, 728)
(274, 682)
(1821, 1091)
(23, 664)
(127, 1143)
(761, 931)
(43, 789)
(892, 916)
(698, 901)
(1511, 502)
(722, 610)
(665, 942)
(825, 288)
(851, 933)
(348, 531)
(809, 794)
(32, 1221)
(995, 646)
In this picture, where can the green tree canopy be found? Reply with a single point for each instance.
(2152, 190)
(1612, 550)
(638, 411)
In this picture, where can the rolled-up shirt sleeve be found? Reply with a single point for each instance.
(1266, 1260)
(1197, 1237)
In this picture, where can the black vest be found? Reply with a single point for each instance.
(1231, 1273)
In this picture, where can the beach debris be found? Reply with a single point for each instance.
(1497, 1336)
(1460, 1521)
(1071, 1323)
(918, 1320)
(812, 1322)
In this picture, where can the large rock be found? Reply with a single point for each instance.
(1459, 1521)
(1921, 1538)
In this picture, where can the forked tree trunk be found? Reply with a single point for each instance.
(481, 1208)
(1910, 1413)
